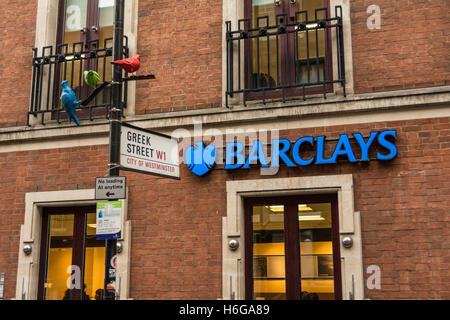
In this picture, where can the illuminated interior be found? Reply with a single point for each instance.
(316, 252)
(269, 280)
(94, 261)
(60, 254)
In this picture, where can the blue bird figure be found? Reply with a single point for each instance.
(69, 102)
(199, 159)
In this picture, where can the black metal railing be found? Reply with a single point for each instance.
(293, 57)
(65, 62)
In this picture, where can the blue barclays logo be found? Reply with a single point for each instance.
(200, 159)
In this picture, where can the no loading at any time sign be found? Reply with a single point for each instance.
(108, 188)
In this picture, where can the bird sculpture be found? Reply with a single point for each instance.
(200, 159)
(69, 102)
(91, 78)
(130, 65)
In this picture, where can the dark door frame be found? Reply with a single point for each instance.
(91, 21)
(78, 244)
(292, 241)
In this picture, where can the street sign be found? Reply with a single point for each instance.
(109, 220)
(109, 188)
(148, 152)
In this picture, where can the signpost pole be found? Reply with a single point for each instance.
(114, 138)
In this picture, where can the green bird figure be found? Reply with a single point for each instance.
(91, 78)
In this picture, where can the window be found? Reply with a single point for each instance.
(85, 21)
(72, 260)
(85, 26)
(84, 40)
(292, 248)
(285, 48)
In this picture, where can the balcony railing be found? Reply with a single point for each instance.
(296, 56)
(65, 62)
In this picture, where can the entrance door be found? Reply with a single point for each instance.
(292, 248)
(72, 260)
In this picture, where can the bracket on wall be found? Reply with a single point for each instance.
(106, 83)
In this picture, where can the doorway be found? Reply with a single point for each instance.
(292, 248)
(71, 259)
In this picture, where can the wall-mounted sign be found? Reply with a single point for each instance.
(109, 220)
(148, 152)
(200, 158)
(108, 188)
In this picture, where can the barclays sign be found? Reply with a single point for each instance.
(200, 159)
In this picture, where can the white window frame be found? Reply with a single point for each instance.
(233, 262)
(27, 279)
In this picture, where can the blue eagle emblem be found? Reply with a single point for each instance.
(199, 159)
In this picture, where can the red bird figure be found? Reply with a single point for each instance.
(130, 65)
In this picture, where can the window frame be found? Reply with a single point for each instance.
(47, 15)
(27, 277)
(292, 241)
(87, 38)
(233, 12)
(91, 20)
(289, 77)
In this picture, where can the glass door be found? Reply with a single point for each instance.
(316, 251)
(292, 248)
(72, 260)
(269, 276)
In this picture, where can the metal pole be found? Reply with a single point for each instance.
(114, 138)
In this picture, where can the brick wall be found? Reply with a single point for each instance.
(181, 42)
(17, 30)
(182, 45)
(177, 225)
(410, 50)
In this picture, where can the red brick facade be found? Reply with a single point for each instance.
(16, 58)
(181, 42)
(176, 238)
(408, 51)
(176, 242)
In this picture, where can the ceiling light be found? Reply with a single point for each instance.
(311, 216)
(304, 207)
(311, 25)
(308, 26)
(276, 209)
